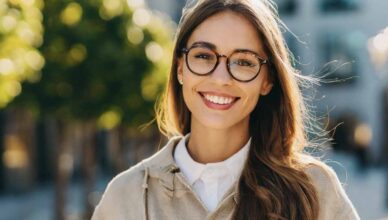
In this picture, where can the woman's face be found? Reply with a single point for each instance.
(217, 101)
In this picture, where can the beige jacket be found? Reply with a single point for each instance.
(154, 189)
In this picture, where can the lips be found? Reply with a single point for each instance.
(218, 101)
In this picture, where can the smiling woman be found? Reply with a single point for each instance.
(240, 79)
(235, 118)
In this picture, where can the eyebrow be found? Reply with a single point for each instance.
(214, 47)
(204, 43)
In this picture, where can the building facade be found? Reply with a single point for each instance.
(331, 42)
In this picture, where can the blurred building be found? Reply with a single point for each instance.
(171, 7)
(332, 43)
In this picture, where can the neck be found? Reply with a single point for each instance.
(215, 145)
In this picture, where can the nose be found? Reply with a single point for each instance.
(221, 73)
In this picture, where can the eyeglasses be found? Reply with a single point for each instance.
(242, 65)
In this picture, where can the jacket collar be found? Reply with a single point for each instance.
(229, 168)
(162, 166)
(163, 160)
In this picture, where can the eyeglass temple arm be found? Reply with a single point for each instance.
(184, 50)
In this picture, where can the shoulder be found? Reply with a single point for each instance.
(334, 203)
(321, 174)
(134, 176)
(126, 180)
(122, 195)
(325, 180)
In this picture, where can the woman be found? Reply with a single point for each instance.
(233, 96)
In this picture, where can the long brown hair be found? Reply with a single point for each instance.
(273, 184)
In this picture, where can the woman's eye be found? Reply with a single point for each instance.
(203, 56)
(245, 63)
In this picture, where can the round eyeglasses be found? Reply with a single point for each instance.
(242, 65)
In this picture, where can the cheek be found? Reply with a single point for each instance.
(190, 91)
(253, 101)
(253, 92)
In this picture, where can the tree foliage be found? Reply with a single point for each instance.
(105, 60)
(20, 34)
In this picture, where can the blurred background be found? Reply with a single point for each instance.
(79, 80)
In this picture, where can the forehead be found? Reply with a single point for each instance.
(228, 31)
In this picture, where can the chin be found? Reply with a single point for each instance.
(221, 123)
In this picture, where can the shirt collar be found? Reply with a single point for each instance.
(193, 170)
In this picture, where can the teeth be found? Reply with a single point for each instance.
(218, 99)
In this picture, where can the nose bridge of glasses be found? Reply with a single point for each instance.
(219, 56)
(223, 74)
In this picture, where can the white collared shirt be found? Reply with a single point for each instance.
(210, 181)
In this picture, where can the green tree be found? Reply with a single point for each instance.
(106, 61)
(20, 34)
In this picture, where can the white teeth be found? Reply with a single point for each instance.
(218, 99)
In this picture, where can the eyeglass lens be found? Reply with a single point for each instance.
(243, 66)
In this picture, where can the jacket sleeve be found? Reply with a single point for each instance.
(333, 201)
(121, 199)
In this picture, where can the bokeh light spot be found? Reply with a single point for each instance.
(363, 135)
(26, 34)
(15, 155)
(34, 60)
(378, 48)
(78, 53)
(135, 3)
(141, 17)
(111, 8)
(28, 2)
(135, 35)
(13, 88)
(6, 66)
(154, 51)
(72, 14)
(8, 23)
(380, 42)
(109, 119)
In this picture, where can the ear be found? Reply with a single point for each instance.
(180, 70)
(266, 87)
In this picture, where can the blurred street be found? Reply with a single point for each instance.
(366, 191)
(39, 204)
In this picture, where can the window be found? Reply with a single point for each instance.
(339, 5)
(286, 7)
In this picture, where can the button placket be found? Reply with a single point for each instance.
(210, 180)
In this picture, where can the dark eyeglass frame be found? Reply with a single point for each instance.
(261, 60)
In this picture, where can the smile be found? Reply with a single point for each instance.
(218, 101)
